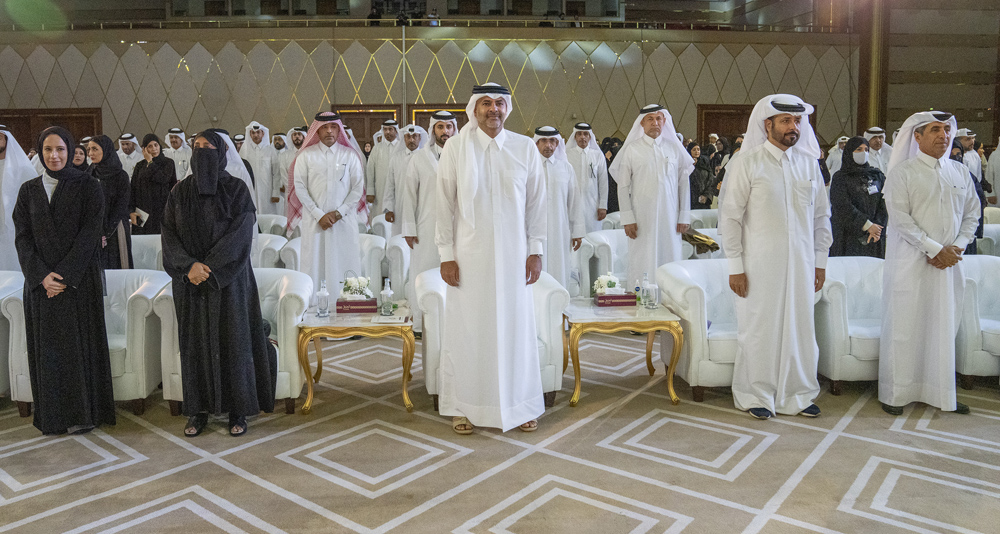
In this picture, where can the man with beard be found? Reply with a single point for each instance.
(259, 153)
(417, 194)
(377, 171)
(775, 225)
(879, 151)
(293, 142)
(591, 173)
(178, 150)
(414, 138)
(15, 169)
(127, 152)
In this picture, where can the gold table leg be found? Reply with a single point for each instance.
(319, 358)
(575, 332)
(678, 334)
(409, 347)
(565, 340)
(649, 352)
(304, 337)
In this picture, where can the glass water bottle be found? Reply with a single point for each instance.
(322, 300)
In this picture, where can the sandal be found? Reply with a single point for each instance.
(237, 425)
(462, 421)
(530, 426)
(195, 424)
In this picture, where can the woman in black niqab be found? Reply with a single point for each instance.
(58, 221)
(152, 180)
(107, 168)
(207, 232)
(856, 202)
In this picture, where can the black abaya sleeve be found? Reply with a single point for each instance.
(119, 203)
(176, 260)
(844, 210)
(228, 256)
(88, 238)
(34, 268)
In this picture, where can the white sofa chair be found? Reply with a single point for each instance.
(704, 219)
(272, 224)
(698, 292)
(611, 254)
(134, 337)
(612, 221)
(581, 276)
(849, 320)
(269, 249)
(12, 305)
(397, 252)
(550, 300)
(381, 227)
(978, 343)
(989, 244)
(284, 296)
(147, 252)
(991, 215)
(11, 332)
(371, 248)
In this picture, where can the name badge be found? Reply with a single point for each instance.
(872, 189)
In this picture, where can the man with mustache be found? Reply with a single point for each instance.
(377, 167)
(490, 234)
(127, 153)
(652, 170)
(416, 200)
(414, 138)
(775, 225)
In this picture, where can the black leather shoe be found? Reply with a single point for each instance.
(962, 409)
(892, 410)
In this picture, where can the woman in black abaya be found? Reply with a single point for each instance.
(58, 221)
(152, 180)
(859, 212)
(107, 168)
(208, 229)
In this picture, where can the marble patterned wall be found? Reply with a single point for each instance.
(196, 83)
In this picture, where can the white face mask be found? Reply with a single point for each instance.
(860, 157)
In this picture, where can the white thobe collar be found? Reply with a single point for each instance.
(552, 160)
(930, 161)
(484, 140)
(326, 148)
(774, 151)
(436, 149)
(649, 140)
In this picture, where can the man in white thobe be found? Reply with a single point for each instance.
(591, 171)
(377, 171)
(992, 176)
(238, 141)
(971, 159)
(259, 153)
(775, 225)
(293, 142)
(490, 234)
(933, 216)
(417, 195)
(179, 151)
(834, 159)
(563, 214)
(279, 171)
(327, 186)
(879, 150)
(127, 153)
(652, 170)
(15, 169)
(414, 138)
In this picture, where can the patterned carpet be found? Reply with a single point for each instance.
(623, 460)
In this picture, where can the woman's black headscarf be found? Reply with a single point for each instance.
(83, 166)
(207, 164)
(158, 161)
(69, 172)
(110, 164)
(702, 162)
(960, 157)
(847, 163)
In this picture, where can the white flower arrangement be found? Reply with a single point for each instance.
(608, 285)
(356, 288)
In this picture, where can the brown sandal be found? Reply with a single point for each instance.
(462, 421)
(529, 427)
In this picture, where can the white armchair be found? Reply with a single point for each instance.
(398, 254)
(991, 215)
(371, 248)
(11, 340)
(381, 227)
(284, 296)
(272, 224)
(704, 219)
(612, 221)
(989, 244)
(12, 305)
(550, 299)
(698, 292)
(147, 252)
(849, 320)
(269, 250)
(978, 346)
(581, 276)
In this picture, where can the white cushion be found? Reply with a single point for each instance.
(864, 334)
(722, 343)
(116, 347)
(991, 334)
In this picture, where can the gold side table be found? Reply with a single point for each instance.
(583, 316)
(346, 325)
